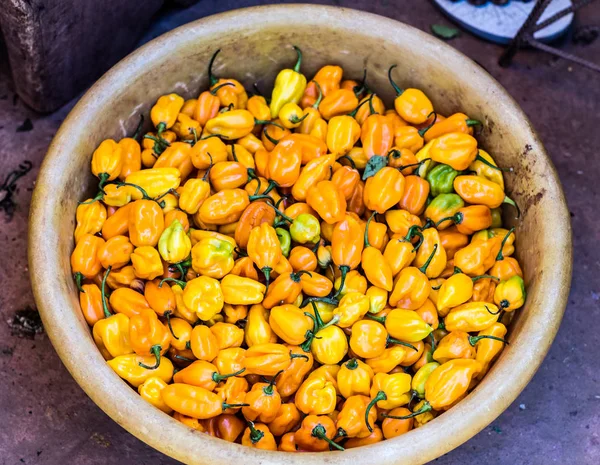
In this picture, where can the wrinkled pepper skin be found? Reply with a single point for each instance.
(384, 190)
(327, 200)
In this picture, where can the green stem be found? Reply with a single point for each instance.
(394, 85)
(344, 269)
(475, 339)
(320, 97)
(216, 89)
(103, 179)
(267, 272)
(299, 61)
(99, 196)
(424, 130)
(391, 340)
(426, 408)
(154, 350)
(493, 313)
(78, 277)
(320, 432)
(423, 269)
(268, 390)
(500, 255)
(145, 195)
(352, 364)
(138, 129)
(473, 122)
(103, 293)
(212, 80)
(491, 165)
(510, 201)
(378, 319)
(358, 90)
(217, 378)
(485, 276)
(273, 141)
(432, 342)
(296, 276)
(371, 108)
(177, 281)
(381, 395)
(353, 112)
(456, 219)
(366, 237)
(295, 120)
(268, 200)
(346, 157)
(167, 315)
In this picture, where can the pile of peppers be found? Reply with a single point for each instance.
(308, 272)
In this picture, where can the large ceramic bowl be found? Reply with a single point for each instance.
(255, 45)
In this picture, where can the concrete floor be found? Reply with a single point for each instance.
(47, 419)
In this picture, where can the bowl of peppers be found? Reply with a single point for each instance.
(289, 231)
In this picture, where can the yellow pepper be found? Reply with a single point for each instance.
(111, 335)
(389, 392)
(129, 367)
(213, 257)
(406, 325)
(421, 377)
(351, 308)
(456, 290)
(90, 218)
(289, 87)
(472, 316)
(316, 396)
(354, 378)
(231, 125)
(155, 181)
(387, 360)
(510, 294)
(290, 323)
(150, 390)
(330, 345)
(377, 299)
(174, 244)
(242, 291)
(202, 295)
(192, 194)
(481, 165)
(107, 161)
(146, 262)
(165, 111)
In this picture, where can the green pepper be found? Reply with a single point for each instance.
(441, 179)
(510, 294)
(289, 86)
(305, 229)
(285, 240)
(443, 206)
(496, 217)
(420, 378)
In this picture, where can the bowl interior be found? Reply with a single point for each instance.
(256, 44)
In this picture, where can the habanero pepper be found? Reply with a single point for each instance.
(289, 86)
(412, 105)
(327, 79)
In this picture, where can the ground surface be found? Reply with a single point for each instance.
(47, 419)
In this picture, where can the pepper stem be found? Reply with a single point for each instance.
(493, 313)
(500, 255)
(296, 276)
(216, 89)
(145, 195)
(320, 97)
(266, 134)
(78, 277)
(510, 201)
(378, 319)
(295, 120)
(103, 293)
(424, 130)
(320, 432)
(177, 281)
(138, 129)
(394, 85)
(367, 243)
(485, 276)
(350, 160)
(99, 196)
(491, 165)
(426, 408)
(475, 339)
(381, 395)
(212, 80)
(268, 390)
(371, 108)
(272, 123)
(423, 269)
(456, 219)
(167, 315)
(103, 177)
(359, 89)
(270, 199)
(154, 350)
(432, 337)
(355, 111)
(352, 364)
(267, 272)
(344, 269)
(472, 122)
(391, 340)
(299, 61)
(217, 378)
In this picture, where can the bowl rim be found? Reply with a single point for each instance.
(167, 435)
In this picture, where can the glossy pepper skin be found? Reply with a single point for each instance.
(342, 134)
(375, 266)
(377, 135)
(384, 190)
(510, 294)
(254, 215)
(412, 105)
(338, 102)
(156, 181)
(107, 161)
(84, 259)
(327, 79)
(480, 191)
(238, 290)
(352, 421)
(313, 172)
(288, 417)
(90, 300)
(457, 150)
(472, 316)
(165, 110)
(258, 330)
(212, 257)
(193, 401)
(174, 245)
(488, 349)
(347, 244)
(231, 125)
(263, 402)
(90, 218)
(327, 200)
(224, 207)
(146, 223)
(289, 87)
(258, 436)
(416, 193)
(485, 167)
(148, 336)
(292, 377)
(290, 323)
(431, 246)
(458, 122)
(316, 396)
(354, 378)
(268, 359)
(316, 434)
(202, 374)
(443, 207)
(111, 335)
(264, 248)
(130, 367)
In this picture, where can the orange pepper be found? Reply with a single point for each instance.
(458, 122)
(268, 359)
(224, 207)
(403, 159)
(506, 268)
(244, 267)
(375, 266)
(327, 200)
(146, 223)
(228, 175)
(346, 179)
(316, 170)
(207, 152)
(353, 420)
(316, 396)
(356, 203)
(392, 428)
(284, 163)
(412, 105)
(316, 434)
(263, 402)
(258, 436)
(408, 137)
(476, 258)
(293, 376)
(115, 252)
(202, 374)
(411, 286)
(257, 105)
(233, 391)
(375, 106)
(84, 259)
(315, 284)
(328, 78)
(415, 195)
(368, 339)
(128, 302)
(194, 401)
(203, 343)
(227, 334)
(384, 190)
(90, 218)
(284, 290)
(251, 143)
(160, 298)
(347, 243)
(302, 259)
(480, 191)
(288, 417)
(117, 223)
(431, 247)
(177, 155)
(338, 102)
(388, 359)
(377, 135)
(452, 240)
(354, 378)
(148, 336)
(264, 248)
(90, 300)
(230, 360)
(231, 93)
(107, 161)
(254, 215)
